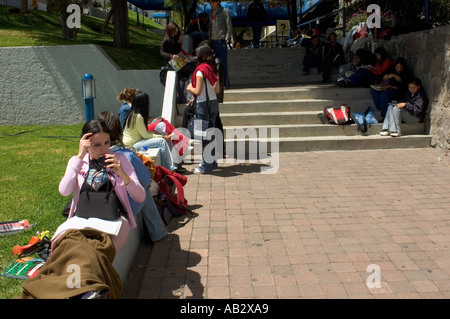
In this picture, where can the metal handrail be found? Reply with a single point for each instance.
(309, 23)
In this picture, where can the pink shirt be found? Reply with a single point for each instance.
(74, 178)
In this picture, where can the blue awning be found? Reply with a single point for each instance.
(275, 11)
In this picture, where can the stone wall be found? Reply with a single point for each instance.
(42, 85)
(428, 53)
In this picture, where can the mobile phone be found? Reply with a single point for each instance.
(101, 160)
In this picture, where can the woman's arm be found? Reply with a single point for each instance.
(197, 90)
(69, 181)
(217, 87)
(120, 165)
(415, 105)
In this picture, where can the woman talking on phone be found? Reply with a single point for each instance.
(96, 169)
(97, 226)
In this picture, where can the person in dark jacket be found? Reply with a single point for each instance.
(171, 45)
(313, 55)
(198, 29)
(412, 110)
(394, 86)
(256, 15)
(333, 57)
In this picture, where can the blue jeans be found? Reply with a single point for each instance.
(313, 59)
(221, 52)
(152, 219)
(208, 163)
(383, 98)
(158, 142)
(395, 116)
(361, 77)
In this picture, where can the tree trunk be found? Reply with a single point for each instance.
(67, 33)
(121, 31)
(108, 17)
(24, 6)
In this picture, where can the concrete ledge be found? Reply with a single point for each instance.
(126, 254)
(42, 85)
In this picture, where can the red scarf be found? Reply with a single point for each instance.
(207, 72)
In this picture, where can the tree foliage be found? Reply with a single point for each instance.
(408, 15)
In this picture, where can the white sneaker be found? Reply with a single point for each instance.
(396, 134)
(197, 171)
(384, 133)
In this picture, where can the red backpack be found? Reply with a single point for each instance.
(171, 190)
(337, 114)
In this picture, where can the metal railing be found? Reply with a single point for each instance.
(315, 21)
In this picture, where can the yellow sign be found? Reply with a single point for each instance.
(283, 28)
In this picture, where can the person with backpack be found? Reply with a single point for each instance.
(256, 15)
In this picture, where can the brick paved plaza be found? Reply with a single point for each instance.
(309, 231)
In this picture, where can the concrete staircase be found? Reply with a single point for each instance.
(269, 66)
(263, 98)
(295, 112)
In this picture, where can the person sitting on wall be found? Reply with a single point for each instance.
(313, 55)
(333, 57)
(394, 86)
(198, 29)
(368, 74)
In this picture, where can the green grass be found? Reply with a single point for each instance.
(32, 164)
(42, 29)
(31, 167)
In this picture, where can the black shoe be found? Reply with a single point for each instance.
(343, 83)
(180, 169)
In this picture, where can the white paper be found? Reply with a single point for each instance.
(111, 227)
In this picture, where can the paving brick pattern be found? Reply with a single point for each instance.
(311, 230)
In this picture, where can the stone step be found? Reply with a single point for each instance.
(311, 130)
(324, 143)
(270, 118)
(289, 105)
(269, 66)
(297, 92)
